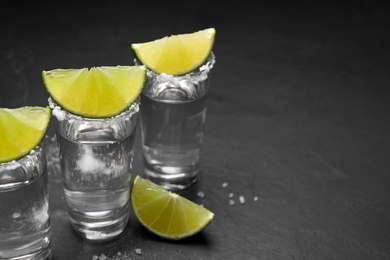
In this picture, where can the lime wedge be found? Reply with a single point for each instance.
(99, 92)
(166, 214)
(21, 130)
(176, 55)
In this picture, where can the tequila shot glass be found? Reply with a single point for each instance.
(96, 160)
(173, 114)
(24, 208)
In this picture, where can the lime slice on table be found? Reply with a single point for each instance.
(166, 214)
(21, 130)
(99, 92)
(176, 55)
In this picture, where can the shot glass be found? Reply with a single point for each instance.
(173, 114)
(96, 160)
(24, 208)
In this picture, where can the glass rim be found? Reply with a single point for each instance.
(62, 114)
(11, 165)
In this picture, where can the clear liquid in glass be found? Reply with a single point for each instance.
(24, 209)
(96, 170)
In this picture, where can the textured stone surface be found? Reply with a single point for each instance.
(298, 116)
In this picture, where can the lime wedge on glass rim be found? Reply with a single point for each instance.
(177, 54)
(22, 130)
(166, 214)
(99, 92)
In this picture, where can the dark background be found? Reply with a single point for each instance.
(298, 115)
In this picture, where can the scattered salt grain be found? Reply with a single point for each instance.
(201, 194)
(231, 195)
(16, 215)
(242, 199)
(231, 202)
(138, 251)
(225, 184)
(118, 256)
(255, 198)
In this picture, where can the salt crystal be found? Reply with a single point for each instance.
(231, 202)
(231, 195)
(56, 111)
(242, 199)
(138, 251)
(102, 257)
(255, 198)
(16, 215)
(95, 257)
(225, 184)
(201, 194)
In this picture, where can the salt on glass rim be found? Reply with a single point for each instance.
(12, 165)
(194, 77)
(61, 114)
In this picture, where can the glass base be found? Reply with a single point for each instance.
(95, 229)
(42, 254)
(172, 178)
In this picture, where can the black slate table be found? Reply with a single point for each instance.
(297, 120)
